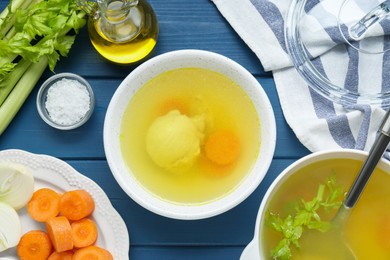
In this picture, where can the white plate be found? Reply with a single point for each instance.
(53, 173)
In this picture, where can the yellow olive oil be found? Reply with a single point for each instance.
(194, 92)
(130, 51)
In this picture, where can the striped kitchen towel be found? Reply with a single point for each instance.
(317, 122)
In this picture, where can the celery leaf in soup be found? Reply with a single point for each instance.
(307, 216)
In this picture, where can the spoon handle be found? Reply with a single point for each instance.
(375, 154)
(358, 30)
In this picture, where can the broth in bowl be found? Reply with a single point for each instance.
(186, 138)
(189, 134)
(366, 230)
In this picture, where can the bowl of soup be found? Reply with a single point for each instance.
(321, 180)
(189, 134)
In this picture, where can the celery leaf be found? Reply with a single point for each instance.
(328, 197)
(6, 68)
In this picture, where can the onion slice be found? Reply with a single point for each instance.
(10, 227)
(16, 184)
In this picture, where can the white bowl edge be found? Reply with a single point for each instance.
(178, 59)
(254, 245)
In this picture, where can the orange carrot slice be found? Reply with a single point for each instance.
(44, 204)
(92, 252)
(173, 104)
(60, 233)
(222, 147)
(67, 255)
(76, 204)
(34, 245)
(84, 232)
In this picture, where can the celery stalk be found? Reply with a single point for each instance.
(7, 85)
(19, 76)
(7, 29)
(14, 4)
(8, 20)
(20, 92)
(11, 33)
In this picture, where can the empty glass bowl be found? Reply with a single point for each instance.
(341, 48)
(65, 101)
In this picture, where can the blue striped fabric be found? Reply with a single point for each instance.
(273, 18)
(318, 122)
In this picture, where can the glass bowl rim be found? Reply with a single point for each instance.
(316, 81)
(42, 92)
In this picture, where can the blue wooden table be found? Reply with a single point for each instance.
(183, 25)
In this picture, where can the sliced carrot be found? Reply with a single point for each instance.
(66, 255)
(173, 104)
(60, 233)
(34, 245)
(44, 204)
(212, 169)
(92, 253)
(107, 254)
(222, 147)
(76, 204)
(84, 232)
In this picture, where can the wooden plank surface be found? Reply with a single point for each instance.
(28, 132)
(183, 25)
(146, 227)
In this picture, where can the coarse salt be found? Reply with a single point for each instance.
(67, 101)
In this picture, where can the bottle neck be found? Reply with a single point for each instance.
(118, 20)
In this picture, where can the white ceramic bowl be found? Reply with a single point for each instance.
(147, 71)
(253, 250)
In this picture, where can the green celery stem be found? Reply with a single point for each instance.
(7, 19)
(14, 5)
(8, 84)
(20, 92)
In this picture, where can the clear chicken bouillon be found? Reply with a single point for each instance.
(367, 229)
(190, 135)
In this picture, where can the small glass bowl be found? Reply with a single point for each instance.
(42, 98)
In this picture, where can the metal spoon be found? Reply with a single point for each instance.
(333, 241)
(374, 155)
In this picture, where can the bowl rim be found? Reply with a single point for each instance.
(301, 59)
(254, 247)
(43, 91)
(153, 67)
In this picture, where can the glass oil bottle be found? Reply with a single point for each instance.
(122, 31)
